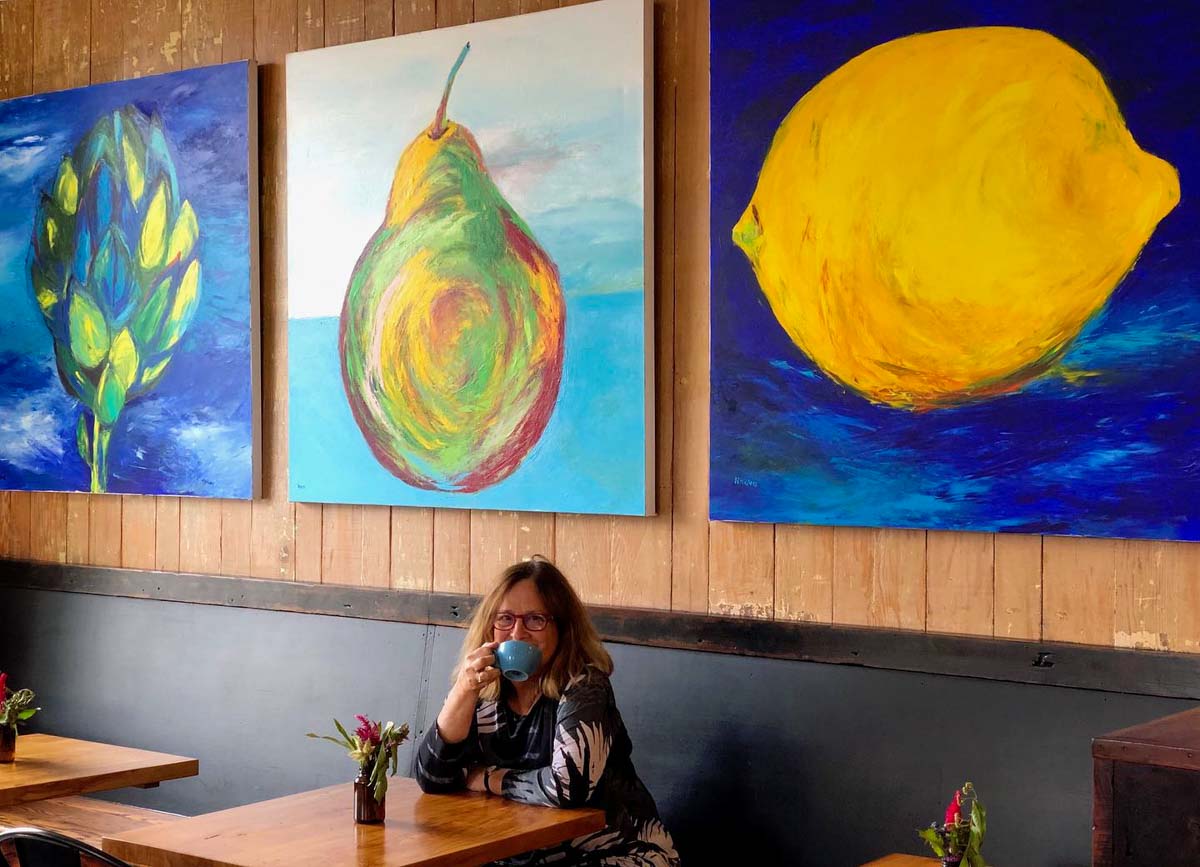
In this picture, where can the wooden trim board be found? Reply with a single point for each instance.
(1139, 672)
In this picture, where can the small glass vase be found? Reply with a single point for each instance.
(367, 811)
(8, 744)
(952, 861)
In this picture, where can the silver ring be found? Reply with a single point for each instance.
(479, 678)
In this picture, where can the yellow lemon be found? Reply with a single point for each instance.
(937, 219)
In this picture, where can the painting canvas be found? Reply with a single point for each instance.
(955, 251)
(469, 311)
(128, 304)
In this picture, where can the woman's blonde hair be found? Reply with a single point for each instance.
(578, 642)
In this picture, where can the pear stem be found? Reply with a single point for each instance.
(438, 127)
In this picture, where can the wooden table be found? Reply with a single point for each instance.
(318, 828)
(86, 819)
(904, 861)
(51, 767)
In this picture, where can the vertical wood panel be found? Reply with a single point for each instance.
(1078, 587)
(413, 16)
(412, 549)
(200, 520)
(641, 547)
(104, 530)
(379, 18)
(804, 573)
(583, 551)
(166, 533)
(61, 32)
(959, 591)
(273, 518)
(495, 534)
(341, 541)
(19, 535)
(1018, 592)
(742, 569)
(310, 33)
(236, 22)
(879, 577)
(5, 500)
(689, 563)
(16, 79)
(377, 520)
(310, 24)
(48, 527)
(79, 518)
(342, 526)
(411, 528)
(493, 546)
(107, 48)
(309, 527)
(1162, 608)
(452, 527)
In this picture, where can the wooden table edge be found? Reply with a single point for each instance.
(588, 821)
(176, 770)
(1128, 751)
(128, 847)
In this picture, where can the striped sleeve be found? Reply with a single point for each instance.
(442, 767)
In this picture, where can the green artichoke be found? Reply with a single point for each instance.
(114, 269)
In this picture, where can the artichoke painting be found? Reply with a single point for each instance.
(114, 270)
(127, 323)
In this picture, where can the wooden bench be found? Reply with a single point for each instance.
(86, 819)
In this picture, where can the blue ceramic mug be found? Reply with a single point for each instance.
(518, 660)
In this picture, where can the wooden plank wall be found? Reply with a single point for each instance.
(1132, 594)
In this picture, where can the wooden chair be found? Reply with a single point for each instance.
(35, 847)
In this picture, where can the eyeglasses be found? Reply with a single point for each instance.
(534, 622)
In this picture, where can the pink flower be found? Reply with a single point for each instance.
(953, 814)
(367, 731)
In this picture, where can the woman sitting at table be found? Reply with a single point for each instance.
(554, 740)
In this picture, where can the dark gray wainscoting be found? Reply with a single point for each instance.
(752, 760)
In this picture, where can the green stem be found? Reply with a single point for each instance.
(438, 127)
(100, 438)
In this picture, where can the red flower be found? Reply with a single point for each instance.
(367, 731)
(953, 813)
(3, 686)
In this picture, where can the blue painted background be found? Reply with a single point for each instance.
(555, 102)
(192, 434)
(1112, 455)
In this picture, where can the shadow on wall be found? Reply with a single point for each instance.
(724, 820)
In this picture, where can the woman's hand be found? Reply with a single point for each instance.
(454, 721)
(475, 779)
(478, 670)
(478, 780)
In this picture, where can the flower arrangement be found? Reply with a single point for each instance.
(374, 746)
(15, 705)
(959, 839)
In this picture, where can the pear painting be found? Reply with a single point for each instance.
(468, 298)
(452, 331)
(953, 254)
(127, 331)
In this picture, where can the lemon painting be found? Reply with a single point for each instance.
(954, 268)
(468, 309)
